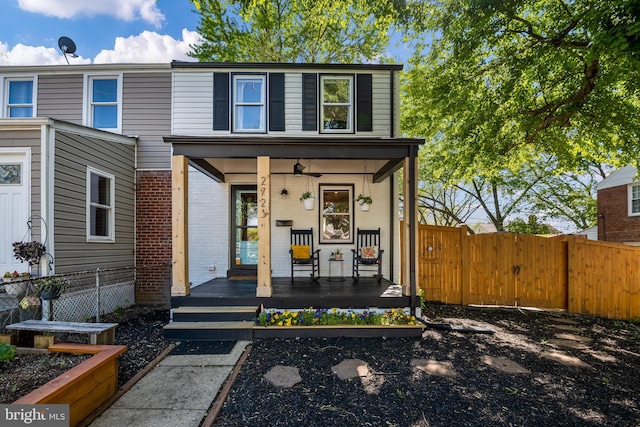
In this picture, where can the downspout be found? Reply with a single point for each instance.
(392, 226)
(47, 147)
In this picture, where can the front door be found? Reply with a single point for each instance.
(244, 218)
(14, 208)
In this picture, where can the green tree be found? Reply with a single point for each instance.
(307, 31)
(532, 226)
(504, 81)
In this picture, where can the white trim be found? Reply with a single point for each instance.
(235, 104)
(630, 198)
(47, 173)
(4, 93)
(110, 238)
(87, 101)
(350, 104)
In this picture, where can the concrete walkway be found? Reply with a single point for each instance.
(177, 392)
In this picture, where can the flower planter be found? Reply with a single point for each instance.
(50, 295)
(309, 203)
(85, 387)
(364, 207)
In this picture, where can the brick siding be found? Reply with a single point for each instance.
(614, 222)
(153, 237)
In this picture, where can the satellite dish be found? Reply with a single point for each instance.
(68, 47)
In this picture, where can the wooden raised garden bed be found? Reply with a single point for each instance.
(85, 387)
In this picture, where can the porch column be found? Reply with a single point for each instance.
(264, 227)
(410, 254)
(180, 226)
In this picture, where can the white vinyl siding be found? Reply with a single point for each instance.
(192, 109)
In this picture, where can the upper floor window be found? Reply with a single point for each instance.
(100, 206)
(104, 109)
(249, 100)
(634, 199)
(19, 100)
(336, 109)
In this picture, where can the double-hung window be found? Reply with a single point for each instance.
(336, 217)
(19, 98)
(336, 109)
(634, 199)
(104, 109)
(249, 103)
(100, 206)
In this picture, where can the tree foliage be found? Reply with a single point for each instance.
(307, 31)
(531, 226)
(505, 81)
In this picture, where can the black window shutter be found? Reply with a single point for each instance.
(364, 102)
(276, 102)
(220, 101)
(309, 102)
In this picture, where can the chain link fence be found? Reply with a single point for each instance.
(90, 295)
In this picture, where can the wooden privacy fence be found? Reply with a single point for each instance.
(565, 272)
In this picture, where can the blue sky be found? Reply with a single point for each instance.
(105, 31)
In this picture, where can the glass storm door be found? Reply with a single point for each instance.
(244, 209)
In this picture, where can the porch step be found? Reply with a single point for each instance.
(213, 314)
(209, 331)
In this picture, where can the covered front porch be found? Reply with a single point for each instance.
(266, 162)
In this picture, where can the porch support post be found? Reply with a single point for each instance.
(409, 285)
(264, 227)
(180, 226)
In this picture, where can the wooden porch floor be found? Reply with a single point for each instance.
(303, 293)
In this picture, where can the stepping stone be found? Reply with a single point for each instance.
(504, 365)
(569, 344)
(283, 376)
(350, 368)
(565, 359)
(568, 328)
(572, 337)
(433, 367)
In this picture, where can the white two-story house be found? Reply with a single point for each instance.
(192, 171)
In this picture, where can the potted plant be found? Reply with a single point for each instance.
(50, 287)
(365, 202)
(308, 199)
(29, 252)
(9, 276)
(337, 254)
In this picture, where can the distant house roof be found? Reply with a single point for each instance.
(483, 228)
(591, 233)
(623, 176)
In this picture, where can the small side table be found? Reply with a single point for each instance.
(333, 278)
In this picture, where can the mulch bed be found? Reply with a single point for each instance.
(396, 394)
(140, 329)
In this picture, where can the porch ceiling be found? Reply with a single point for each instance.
(217, 156)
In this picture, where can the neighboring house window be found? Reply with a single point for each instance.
(104, 109)
(19, 101)
(249, 100)
(336, 217)
(634, 199)
(336, 109)
(100, 206)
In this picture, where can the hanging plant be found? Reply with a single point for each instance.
(364, 199)
(29, 252)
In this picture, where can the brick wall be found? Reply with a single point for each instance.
(614, 222)
(153, 237)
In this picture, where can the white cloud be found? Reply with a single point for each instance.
(34, 55)
(149, 46)
(127, 10)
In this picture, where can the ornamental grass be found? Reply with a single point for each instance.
(318, 317)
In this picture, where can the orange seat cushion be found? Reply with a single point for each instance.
(301, 251)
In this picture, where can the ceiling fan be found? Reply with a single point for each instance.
(298, 170)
